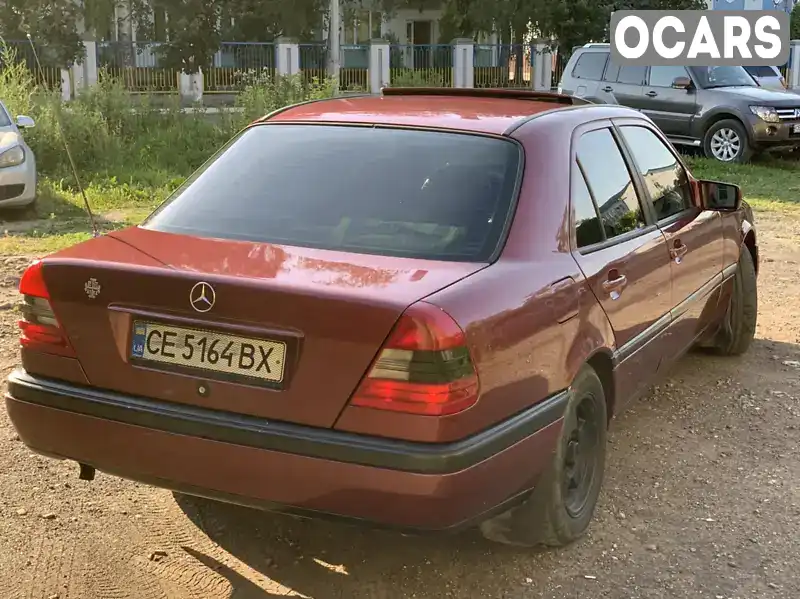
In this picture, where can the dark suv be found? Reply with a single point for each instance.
(721, 109)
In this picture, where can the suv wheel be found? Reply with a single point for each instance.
(562, 504)
(727, 141)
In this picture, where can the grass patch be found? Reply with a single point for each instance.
(770, 183)
(59, 218)
(130, 152)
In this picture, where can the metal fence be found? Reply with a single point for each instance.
(313, 61)
(503, 65)
(559, 63)
(21, 51)
(141, 66)
(237, 64)
(354, 67)
(429, 65)
(138, 66)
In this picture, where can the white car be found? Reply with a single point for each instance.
(767, 77)
(17, 162)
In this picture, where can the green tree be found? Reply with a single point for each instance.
(52, 25)
(193, 32)
(265, 20)
(794, 28)
(569, 22)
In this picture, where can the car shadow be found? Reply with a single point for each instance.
(322, 559)
(318, 558)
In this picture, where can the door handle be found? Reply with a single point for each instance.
(608, 88)
(651, 94)
(678, 251)
(614, 285)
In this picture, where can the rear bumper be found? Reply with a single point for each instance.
(285, 467)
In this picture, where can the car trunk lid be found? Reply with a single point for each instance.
(320, 317)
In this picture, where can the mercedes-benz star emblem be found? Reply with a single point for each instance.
(202, 297)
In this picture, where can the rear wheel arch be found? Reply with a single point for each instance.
(603, 365)
(750, 245)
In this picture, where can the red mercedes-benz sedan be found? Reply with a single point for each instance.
(419, 309)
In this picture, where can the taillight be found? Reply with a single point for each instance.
(40, 329)
(424, 367)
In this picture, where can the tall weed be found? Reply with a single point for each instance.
(119, 136)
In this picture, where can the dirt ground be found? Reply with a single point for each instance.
(701, 499)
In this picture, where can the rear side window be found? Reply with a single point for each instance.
(664, 177)
(610, 182)
(632, 75)
(585, 219)
(590, 65)
(398, 192)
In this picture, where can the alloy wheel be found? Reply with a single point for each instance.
(726, 144)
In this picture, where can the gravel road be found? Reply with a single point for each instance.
(701, 500)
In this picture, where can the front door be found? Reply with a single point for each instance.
(672, 109)
(623, 256)
(694, 237)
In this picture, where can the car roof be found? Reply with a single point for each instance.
(473, 110)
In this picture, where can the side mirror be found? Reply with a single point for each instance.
(721, 197)
(25, 122)
(681, 83)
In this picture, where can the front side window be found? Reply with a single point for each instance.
(610, 182)
(388, 191)
(665, 179)
(664, 76)
(762, 71)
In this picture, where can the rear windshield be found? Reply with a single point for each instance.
(399, 192)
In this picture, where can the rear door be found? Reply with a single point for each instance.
(622, 254)
(670, 108)
(694, 236)
(584, 79)
(623, 85)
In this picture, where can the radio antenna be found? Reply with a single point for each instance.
(95, 232)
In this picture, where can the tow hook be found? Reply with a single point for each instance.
(87, 472)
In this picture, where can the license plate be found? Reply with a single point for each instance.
(796, 128)
(209, 351)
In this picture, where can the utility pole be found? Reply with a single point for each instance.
(333, 38)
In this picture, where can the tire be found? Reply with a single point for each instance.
(739, 326)
(727, 141)
(550, 516)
